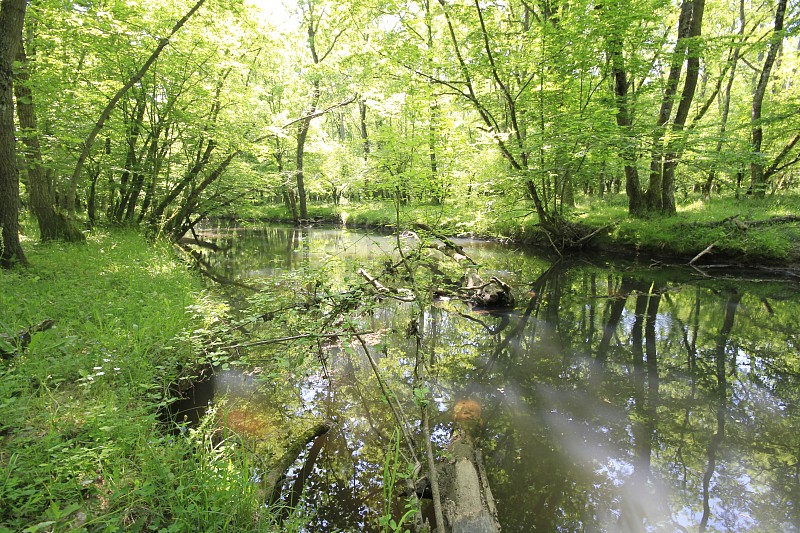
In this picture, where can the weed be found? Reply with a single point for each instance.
(390, 478)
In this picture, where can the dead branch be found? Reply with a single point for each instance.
(321, 112)
(23, 337)
(404, 295)
(704, 252)
(433, 476)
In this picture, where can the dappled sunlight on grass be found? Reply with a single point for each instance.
(81, 402)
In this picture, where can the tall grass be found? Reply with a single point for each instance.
(81, 443)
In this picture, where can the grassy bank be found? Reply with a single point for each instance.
(81, 443)
(747, 230)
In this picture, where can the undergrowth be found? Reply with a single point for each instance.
(82, 442)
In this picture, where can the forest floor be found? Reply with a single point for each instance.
(748, 231)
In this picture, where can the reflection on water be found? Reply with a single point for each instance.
(614, 397)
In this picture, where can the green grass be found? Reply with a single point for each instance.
(81, 443)
(694, 228)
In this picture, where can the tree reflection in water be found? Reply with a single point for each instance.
(614, 397)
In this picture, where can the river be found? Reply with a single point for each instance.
(616, 396)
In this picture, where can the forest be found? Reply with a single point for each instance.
(159, 115)
(290, 265)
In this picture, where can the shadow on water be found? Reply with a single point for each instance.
(615, 397)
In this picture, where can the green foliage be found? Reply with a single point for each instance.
(83, 446)
(391, 476)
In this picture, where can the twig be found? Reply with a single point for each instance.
(595, 232)
(404, 295)
(704, 252)
(702, 273)
(292, 338)
(547, 234)
(397, 410)
(321, 112)
(433, 476)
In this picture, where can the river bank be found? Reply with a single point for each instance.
(82, 444)
(748, 233)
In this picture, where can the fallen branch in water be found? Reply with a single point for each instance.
(404, 295)
(704, 252)
(294, 338)
(493, 294)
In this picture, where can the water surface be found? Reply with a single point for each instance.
(615, 396)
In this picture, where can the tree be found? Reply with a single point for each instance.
(673, 147)
(53, 225)
(12, 15)
(726, 98)
(757, 177)
(623, 102)
(112, 103)
(313, 12)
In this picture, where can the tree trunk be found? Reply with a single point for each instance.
(191, 175)
(726, 102)
(132, 159)
(178, 223)
(758, 184)
(636, 205)
(362, 120)
(302, 135)
(654, 196)
(685, 104)
(53, 225)
(437, 189)
(12, 15)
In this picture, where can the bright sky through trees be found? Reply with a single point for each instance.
(274, 11)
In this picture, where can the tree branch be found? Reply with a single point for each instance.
(106, 113)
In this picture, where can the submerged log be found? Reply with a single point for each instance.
(467, 497)
(273, 480)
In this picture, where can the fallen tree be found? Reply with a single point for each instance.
(468, 501)
(493, 293)
(466, 497)
(273, 480)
